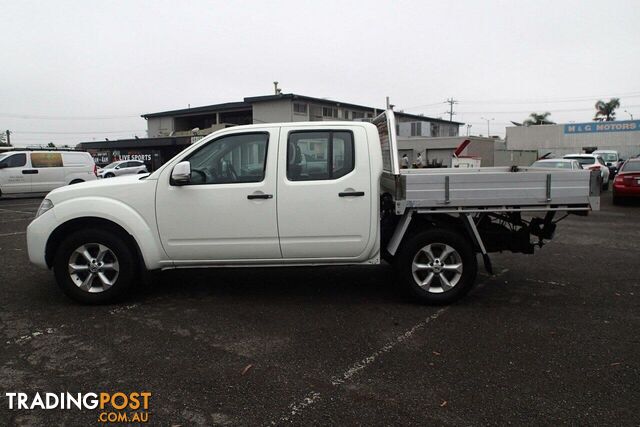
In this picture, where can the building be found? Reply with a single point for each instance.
(560, 139)
(283, 107)
(169, 132)
(438, 151)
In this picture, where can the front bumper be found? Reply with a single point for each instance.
(38, 233)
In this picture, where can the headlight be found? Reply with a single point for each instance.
(44, 206)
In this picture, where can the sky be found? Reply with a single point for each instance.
(73, 71)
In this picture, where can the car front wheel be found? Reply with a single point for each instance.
(94, 266)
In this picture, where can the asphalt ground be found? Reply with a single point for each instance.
(551, 338)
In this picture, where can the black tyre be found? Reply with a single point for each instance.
(109, 175)
(76, 181)
(95, 266)
(605, 187)
(437, 266)
(617, 200)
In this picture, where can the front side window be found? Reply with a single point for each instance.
(15, 161)
(319, 155)
(230, 159)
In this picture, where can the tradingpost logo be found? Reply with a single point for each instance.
(115, 407)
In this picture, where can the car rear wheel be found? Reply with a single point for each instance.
(109, 175)
(437, 266)
(94, 266)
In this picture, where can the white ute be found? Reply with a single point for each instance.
(291, 194)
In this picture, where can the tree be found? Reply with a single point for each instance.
(538, 119)
(51, 144)
(3, 139)
(606, 111)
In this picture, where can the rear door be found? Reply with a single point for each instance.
(14, 174)
(324, 193)
(48, 171)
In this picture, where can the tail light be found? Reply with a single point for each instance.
(619, 179)
(95, 170)
(595, 168)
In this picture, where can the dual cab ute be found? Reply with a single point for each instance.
(300, 194)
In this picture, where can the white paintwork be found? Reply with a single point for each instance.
(77, 166)
(314, 222)
(599, 164)
(216, 222)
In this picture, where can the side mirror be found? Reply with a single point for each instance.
(181, 173)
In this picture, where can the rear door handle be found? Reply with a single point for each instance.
(351, 194)
(259, 196)
(29, 171)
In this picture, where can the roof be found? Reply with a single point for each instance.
(200, 110)
(248, 101)
(138, 143)
(296, 97)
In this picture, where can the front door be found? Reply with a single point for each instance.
(228, 210)
(15, 177)
(324, 194)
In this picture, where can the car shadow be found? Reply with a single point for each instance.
(348, 284)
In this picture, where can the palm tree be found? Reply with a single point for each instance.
(606, 111)
(538, 119)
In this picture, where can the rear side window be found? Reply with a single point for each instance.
(317, 155)
(46, 160)
(15, 161)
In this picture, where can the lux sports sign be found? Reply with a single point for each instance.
(595, 127)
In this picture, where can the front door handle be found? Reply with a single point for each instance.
(259, 196)
(351, 194)
(29, 171)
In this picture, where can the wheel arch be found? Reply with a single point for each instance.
(68, 227)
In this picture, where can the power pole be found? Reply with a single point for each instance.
(451, 102)
(8, 137)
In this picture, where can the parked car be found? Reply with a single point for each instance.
(611, 159)
(122, 167)
(43, 171)
(593, 162)
(627, 183)
(557, 164)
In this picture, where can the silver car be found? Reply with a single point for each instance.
(123, 167)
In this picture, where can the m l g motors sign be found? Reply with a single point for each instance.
(596, 127)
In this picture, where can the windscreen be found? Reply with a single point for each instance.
(386, 124)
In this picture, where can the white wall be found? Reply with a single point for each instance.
(159, 126)
(275, 111)
(551, 138)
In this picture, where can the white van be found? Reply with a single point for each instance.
(42, 171)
